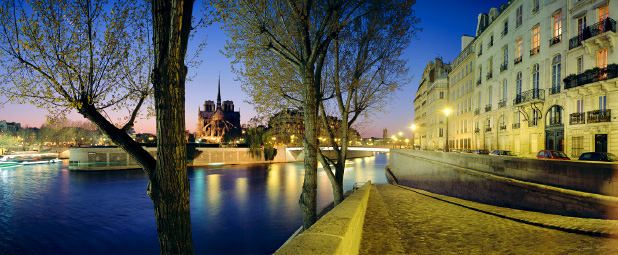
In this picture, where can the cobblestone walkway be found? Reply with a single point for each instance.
(408, 221)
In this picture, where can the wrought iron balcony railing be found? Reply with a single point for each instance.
(590, 76)
(516, 125)
(502, 103)
(599, 116)
(535, 50)
(530, 95)
(477, 130)
(478, 82)
(480, 53)
(489, 75)
(593, 30)
(491, 42)
(504, 67)
(488, 108)
(554, 90)
(488, 129)
(503, 127)
(535, 10)
(477, 111)
(505, 31)
(555, 40)
(577, 118)
(554, 121)
(517, 60)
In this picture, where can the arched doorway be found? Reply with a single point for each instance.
(554, 129)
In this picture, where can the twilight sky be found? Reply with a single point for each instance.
(442, 25)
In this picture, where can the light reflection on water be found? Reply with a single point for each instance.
(235, 209)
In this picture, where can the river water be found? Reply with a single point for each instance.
(239, 209)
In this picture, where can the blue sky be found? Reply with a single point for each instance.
(443, 23)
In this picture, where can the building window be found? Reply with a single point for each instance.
(506, 28)
(519, 49)
(580, 65)
(504, 91)
(580, 105)
(441, 94)
(581, 25)
(535, 6)
(518, 13)
(602, 58)
(603, 13)
(505, 57)
(518, 83)
(555, 75)
(557, 28)
(535, 40)
(602, 103)
(535, 76)
(489, 98)
(440, 132)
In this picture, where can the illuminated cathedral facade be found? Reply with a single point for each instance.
(215, 120)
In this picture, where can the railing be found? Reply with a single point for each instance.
(505, 32)
(517, 60)
(489, 75)
(590, 76)
(535, 10)
(477, 130)
(554, 90)
(526, 96)
(503, 127)
(477, 111)
(516, 125)
(480, 52)
(502, 103)
(555, 40)
(488, 108)
(491, 43)
(488, 129)
(478, 82)
(504, 67)
(577, 118)
(535, 50)
(599, 116)
(593, 30)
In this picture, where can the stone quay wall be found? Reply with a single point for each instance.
(571, 188)
(113, 158)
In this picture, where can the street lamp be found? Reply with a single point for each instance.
(447, 111)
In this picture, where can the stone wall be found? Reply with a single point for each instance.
(561, 187)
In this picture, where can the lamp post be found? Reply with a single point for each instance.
(400, 139)
(447, 111)
(413, 127)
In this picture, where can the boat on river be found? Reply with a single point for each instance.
(28, 159)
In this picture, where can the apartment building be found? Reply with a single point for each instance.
(429, 104)
(545, 76)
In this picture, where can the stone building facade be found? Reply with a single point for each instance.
(545, 75)
(215, 120)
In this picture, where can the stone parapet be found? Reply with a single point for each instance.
(338, 232)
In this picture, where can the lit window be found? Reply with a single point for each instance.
(603, 13)
(519, 47)
(558, 25)
(535, 40)
(602, 58)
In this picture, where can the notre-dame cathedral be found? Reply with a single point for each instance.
(213, 123)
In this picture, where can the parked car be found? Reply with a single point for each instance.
(455, 151)
(439, 150)
(501, 153)
(598, 156)
(466, 151)
(480, 152)
(423, 148)
(552, 154)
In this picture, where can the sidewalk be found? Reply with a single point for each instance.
(402, 220)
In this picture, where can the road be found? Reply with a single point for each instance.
(407, 221)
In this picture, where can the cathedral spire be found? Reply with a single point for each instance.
(219, 93)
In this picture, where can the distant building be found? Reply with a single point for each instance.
(384, 133)
(213, 122)
(9, 126)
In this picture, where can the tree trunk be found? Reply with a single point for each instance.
(308, 197)
(169, 187)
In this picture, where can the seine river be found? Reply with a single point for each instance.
(236, 209)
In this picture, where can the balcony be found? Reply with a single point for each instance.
(503, 127)
(535, 50)
(477, 111)
(504, 67)
(477, 130)
(577, 118)
(480, 53)
(488, 108)
(593, 30)
(555, 121)
(491, 42)
(489, 75)
(488, 129)
(517, 60)
(535, 10)
(554, 90)
(502, 103)
(555, 40)
(599, 116)
(478, 82)
(590, 76)
(505, 32)
(516, 125)
(528, 96)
